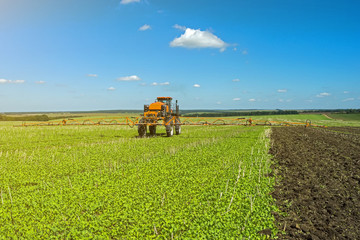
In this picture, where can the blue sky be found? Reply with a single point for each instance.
(120, 54)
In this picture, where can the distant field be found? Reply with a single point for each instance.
(319, 119)
(345, 117)
(93, 115)
(295, 117)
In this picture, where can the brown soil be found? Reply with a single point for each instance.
(346, 130)
(318, 185)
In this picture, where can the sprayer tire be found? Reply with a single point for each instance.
(177, 127)
(169, 130)
(152, 130)
(142, 129)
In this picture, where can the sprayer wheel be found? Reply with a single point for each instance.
(142, 128)
(152, 130)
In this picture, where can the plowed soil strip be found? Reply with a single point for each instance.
(318, 185)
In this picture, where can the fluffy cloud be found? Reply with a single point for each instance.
(40, 82)
(160, 84)
(252, 100)
(348, 99)
(195, 38)
(92, 75)
(145, 27)
(3, 81)
(129, 78)
(236, 80)
(324, 94)
(346, 92)
(236, 99)
(111, 89)
(282, 90)
(196, 85)
(128, 1)
(244, 52)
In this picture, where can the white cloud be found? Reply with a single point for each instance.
(160, 84)
(346, 92)
(324, 94)
(92, 75)
(196, 85)
(111, 89)
(128, 1)
(236, 80)
(236, 99)
(145, 27)
(252, 100)
(348, 99)
(195, 38)
(218, 103)
(129, 78)
(40, 82)
(244, 52)
(177, 26)
(282, 90)
(3, 81)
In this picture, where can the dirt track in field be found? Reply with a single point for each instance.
(319, 183)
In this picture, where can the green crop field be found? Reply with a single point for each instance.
(103, 182)
(345, 117)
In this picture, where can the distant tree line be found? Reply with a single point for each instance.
(349, 111)
(42, 117)
(346, 111)
(229, 114)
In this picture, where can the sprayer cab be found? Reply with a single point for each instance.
(160, 110)
(162, 107)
